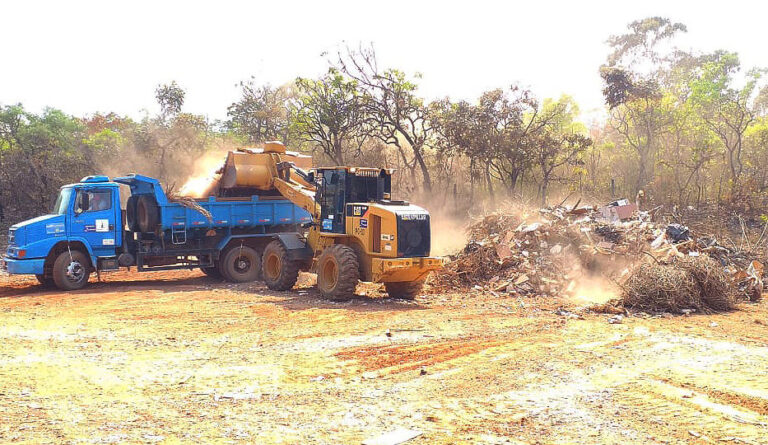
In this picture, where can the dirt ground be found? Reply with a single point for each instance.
(178, 357)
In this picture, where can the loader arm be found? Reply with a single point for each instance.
(298, 194)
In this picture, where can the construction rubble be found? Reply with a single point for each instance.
(553, 251)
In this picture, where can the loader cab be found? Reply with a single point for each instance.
(342, 185)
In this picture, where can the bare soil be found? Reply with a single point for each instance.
(179, 357)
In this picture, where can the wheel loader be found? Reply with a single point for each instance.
(358, 232)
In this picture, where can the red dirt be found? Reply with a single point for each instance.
(179, 357)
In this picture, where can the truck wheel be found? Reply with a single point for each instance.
(338, 272)
(47, 282)
(212, 272)
(71, 270)
(406, 290)
(241, 264)
(130, 214)
(280, 273)
(147, 213)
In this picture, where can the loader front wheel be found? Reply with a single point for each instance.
(241, 264)
(338, 272)
(278, 270)
(406, 290)
(71, 270)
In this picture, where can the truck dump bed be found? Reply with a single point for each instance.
(224, 212)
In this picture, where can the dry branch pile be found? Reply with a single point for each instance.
(694, 283)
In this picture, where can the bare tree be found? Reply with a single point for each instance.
(395, 112)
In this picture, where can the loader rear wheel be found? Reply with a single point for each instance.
(71, 270)
(147, 213)
(279, 271)
(338, 272)
(241, 264)
(406, 290)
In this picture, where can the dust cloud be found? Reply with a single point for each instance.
(593, 289)
(449, 235)
(204, 175)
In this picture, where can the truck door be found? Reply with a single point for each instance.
(95, 219)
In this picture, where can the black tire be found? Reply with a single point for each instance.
(130, 214)
(338, 272)
(278, 270)
(407, 290)
(46, 282)
(212, 272)
(240, 264)
(147, 213)
(71, 270)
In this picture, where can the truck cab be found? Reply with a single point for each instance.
(83, 232)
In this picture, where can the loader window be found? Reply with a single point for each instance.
(332, 200)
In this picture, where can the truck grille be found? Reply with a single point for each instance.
(413, 237)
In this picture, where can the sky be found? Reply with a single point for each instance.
(100, 56)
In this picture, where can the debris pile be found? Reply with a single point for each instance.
(551, 251)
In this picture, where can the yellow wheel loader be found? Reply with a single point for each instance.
(357, 231)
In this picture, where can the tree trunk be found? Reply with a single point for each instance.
(424, 170)
(489, 184)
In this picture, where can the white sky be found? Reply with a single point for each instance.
(103, 56)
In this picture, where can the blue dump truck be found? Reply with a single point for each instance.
(88, 231)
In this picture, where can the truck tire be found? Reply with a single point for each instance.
(147, 213)
(46, 282)
(71, 270)
(240, 264)
(338, 272)
(130, 214)
(212, 272)
(279, 271)
(406, 290)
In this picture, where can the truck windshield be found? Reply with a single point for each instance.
(60, 207)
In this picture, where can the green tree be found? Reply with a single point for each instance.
(727, 108)
(639, 111)
(560, 141)
(262, 113)
(329, 114)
